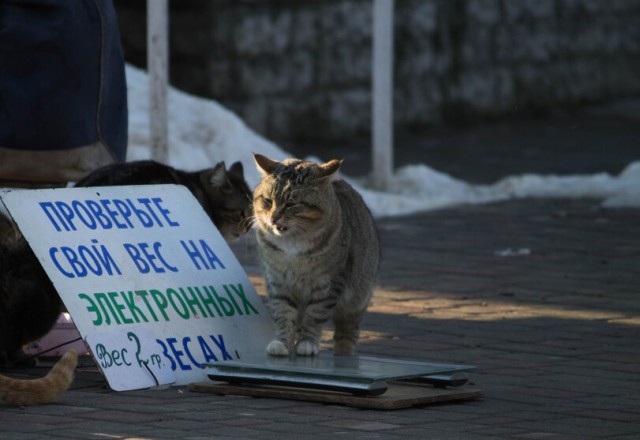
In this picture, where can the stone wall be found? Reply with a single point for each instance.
(300, 69)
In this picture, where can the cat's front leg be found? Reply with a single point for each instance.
(284, 314)
(346, 333)
(346, 319)
(318, 312)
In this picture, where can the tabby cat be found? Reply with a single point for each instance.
(319, 248)
(29, 307)
(223, 194)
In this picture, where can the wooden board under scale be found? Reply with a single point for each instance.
(398, 396)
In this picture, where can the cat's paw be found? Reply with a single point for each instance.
(307, 348)
(343, 348)
(277, 348)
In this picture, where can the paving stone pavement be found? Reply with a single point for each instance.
(554, 333)
(553, 327)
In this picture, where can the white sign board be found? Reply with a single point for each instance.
(147, 278)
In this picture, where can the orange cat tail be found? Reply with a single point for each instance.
(19, 392)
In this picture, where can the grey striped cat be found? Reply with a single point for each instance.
(319, 249)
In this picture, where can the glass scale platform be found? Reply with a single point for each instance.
(358, 375)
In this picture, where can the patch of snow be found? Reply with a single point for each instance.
(202, 132)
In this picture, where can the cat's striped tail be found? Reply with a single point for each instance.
(23, 392)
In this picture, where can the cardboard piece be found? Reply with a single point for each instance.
(398, 396)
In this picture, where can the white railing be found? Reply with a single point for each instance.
(381, 90)
(382, 94)
(158, 70)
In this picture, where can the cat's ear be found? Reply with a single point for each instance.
(265, 165)
(237, 170)
(217, 176)
(329, 170)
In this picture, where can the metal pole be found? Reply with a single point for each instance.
(158, 70)
(382, 93)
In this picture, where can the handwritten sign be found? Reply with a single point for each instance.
(129, 357)
(147, 257)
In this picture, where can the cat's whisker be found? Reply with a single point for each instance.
(249, 222)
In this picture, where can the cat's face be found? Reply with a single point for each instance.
(293, 196)
(232, 199)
